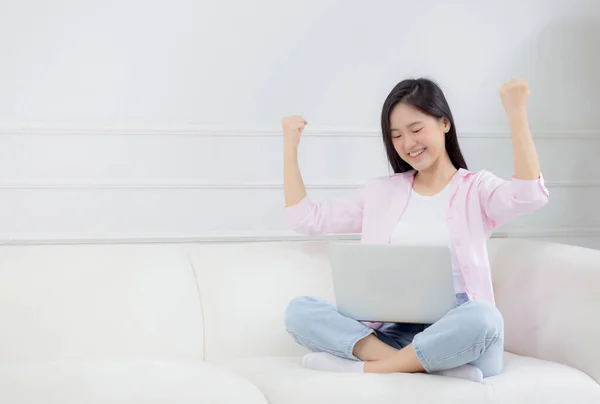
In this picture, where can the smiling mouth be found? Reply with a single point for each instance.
(417, 153)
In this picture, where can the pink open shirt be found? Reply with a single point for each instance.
(479, 203)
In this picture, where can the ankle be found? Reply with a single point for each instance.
(372, 348)
(361, 346)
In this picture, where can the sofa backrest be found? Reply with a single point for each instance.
(549, 295)
(98, 302)
(245, 289)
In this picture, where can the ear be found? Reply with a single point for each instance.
(446, 124)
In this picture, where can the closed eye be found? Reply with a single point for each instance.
(418, 130)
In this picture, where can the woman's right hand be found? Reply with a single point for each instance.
(292, 129)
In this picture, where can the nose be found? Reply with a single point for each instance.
(409, 143)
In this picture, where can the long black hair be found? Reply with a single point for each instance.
(427, 97)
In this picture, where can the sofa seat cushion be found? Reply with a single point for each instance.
(124, 382)
(525, 380)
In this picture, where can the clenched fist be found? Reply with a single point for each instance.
(292, 129)
(514, 95)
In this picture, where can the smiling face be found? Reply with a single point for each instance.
(418, 138)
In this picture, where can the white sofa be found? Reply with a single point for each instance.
(203, 323)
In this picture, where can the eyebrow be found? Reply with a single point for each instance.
(412, 124)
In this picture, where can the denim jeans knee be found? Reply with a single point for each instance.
(318, 326)
(297, 313)
(471, 333)
(483, 319)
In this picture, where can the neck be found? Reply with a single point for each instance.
(438, 174)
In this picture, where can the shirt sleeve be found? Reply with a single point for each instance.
(336, 215)
(505, 200)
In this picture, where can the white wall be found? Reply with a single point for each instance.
(154, 120)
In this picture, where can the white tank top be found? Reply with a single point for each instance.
(424, 223)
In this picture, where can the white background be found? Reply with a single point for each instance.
(154, 120)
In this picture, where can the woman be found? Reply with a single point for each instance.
(431, 199)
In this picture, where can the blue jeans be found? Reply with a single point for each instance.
(472, 333)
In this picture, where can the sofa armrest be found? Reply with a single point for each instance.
(549, 295)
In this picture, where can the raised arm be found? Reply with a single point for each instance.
(505, 200)
(514, 95)
(293, 185)
(336, 215)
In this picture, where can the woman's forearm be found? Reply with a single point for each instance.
(293, 185)
(526, 160)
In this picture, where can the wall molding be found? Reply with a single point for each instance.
(264, 131)
(115, 238)
(41, 184)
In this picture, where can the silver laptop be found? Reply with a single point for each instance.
(392, 283)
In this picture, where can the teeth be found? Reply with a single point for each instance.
(415, 154)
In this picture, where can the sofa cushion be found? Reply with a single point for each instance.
(98, 302)
(124, 382)
(525, 380)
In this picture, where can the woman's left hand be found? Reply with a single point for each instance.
(514, 95)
